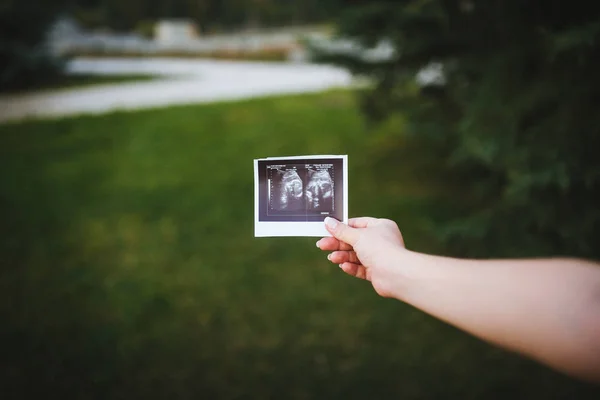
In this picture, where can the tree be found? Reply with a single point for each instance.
(233, 14)
(515, 123)
(24, 57)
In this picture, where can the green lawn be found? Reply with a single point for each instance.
(130, 270)
(83, 80)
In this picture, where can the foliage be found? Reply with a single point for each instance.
(516, 120)
(129, 270)
(211, 15)
(25, 60)
(145, 28)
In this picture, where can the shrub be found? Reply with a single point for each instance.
(515, 124)
(25, 59)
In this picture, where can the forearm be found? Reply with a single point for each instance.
(548, 310)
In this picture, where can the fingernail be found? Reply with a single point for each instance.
(318, 241)
(331, 223)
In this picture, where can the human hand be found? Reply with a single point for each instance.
(368, 248)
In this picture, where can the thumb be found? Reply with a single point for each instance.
(342, 231)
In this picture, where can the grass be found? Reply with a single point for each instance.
(72, 81)
(129, 267)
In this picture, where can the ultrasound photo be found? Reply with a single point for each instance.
(286, 189)
(320, 188)
(300, 189)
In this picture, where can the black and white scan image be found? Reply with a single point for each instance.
(286, 189)
(320, 188)
(300, 189)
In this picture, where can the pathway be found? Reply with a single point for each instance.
(182, 82)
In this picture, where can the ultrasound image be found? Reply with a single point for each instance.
(289, 191)
(301, 189)
(319, 190)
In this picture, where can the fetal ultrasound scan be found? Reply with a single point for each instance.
(320, 188)
(286, 189)
(300, 190)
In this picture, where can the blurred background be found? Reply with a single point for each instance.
(128, 129)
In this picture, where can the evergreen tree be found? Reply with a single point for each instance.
(515, 119)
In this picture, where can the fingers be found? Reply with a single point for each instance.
(361, 222)
(355, 270)
(339, 257)
(332, 244)
(342, 231)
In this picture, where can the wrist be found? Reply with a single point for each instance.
(409, 268)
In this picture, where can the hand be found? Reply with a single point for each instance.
(368, 248)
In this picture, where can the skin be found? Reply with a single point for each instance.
(545, 309)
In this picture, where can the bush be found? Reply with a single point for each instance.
(515, 123)
(25, 59)
(145, 28)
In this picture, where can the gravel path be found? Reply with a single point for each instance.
(181, 82)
